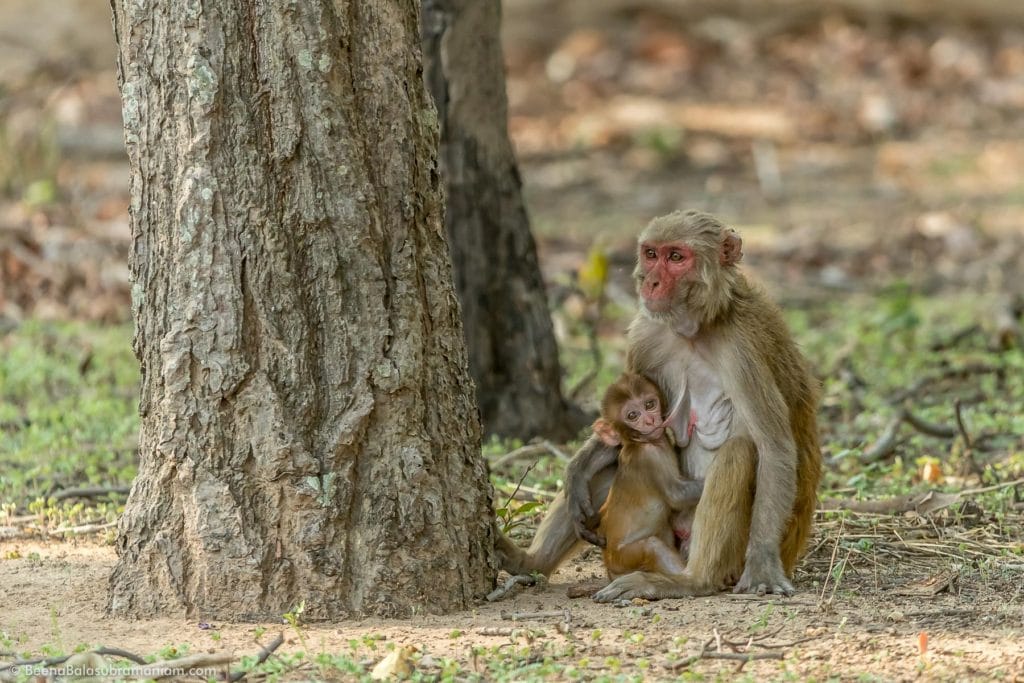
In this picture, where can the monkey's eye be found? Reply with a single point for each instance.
(676, 256)
(651, 404)
(650, 253)
(632, 416)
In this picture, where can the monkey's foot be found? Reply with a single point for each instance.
(763, 577)
(626, 587)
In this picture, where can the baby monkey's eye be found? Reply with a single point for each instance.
(651, 404)
(632, 416)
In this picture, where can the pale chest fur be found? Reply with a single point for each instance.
(679, 366)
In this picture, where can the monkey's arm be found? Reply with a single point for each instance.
(592, 457)
(682, 494)
(762, 410)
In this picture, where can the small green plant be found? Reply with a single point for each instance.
(293, 618)
(761, 623)
(512, 515)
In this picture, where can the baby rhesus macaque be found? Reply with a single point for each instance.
(650, 503)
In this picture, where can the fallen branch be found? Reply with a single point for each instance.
(922, 503)
(529, 451)
(889, 440)
(496, 631)
(46, 662)
(168, 668)
(89, 492)
(519, 579)
(956, 338)
(929, 428)
(886, 443)
(564, 614)
(948, 373)
(733, 656)
(264, 653)
(993, 487)
(83, 529)
(968, 453)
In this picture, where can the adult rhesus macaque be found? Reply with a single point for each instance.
(648, 492)
(704, 330)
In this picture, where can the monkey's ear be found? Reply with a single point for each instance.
(732, 248)
(606, 432)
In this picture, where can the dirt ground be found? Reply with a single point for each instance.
(974, 627)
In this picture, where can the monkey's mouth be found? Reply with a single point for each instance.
(656, 305)
(649, 437)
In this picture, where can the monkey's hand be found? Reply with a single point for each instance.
(592, 457)
(762, 574)
(581, 509)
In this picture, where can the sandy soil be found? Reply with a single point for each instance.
(54, 596)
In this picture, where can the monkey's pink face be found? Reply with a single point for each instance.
(643, 414)
(662, 266)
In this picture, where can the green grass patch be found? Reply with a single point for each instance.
(68, 411)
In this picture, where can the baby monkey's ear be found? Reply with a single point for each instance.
(606, 432)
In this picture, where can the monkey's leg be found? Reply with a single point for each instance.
(718, 543)
(794, 543)
(721, 523)
(555, 540)
(650, 554)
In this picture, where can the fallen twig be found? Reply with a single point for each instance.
(118, 652)
(531, 493)
(564, 614)
(88, 492)
(83, 529)
(968, 453)
(922, 503)
(948, 373)
(993, 487)
(832, 561)
(45, 662)
(754, 597)
(501, 591)
(956, 338)
(734, 656)
(528, 451)
(496, 631)
(264, 653)
(929, 428)
(886, 443)
(168, 668)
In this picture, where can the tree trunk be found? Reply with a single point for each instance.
(308, 426)
(512, 352)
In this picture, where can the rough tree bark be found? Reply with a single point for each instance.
(512, 352)
(308, 426)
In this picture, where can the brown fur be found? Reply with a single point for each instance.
(648, 488)
(720, 320)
